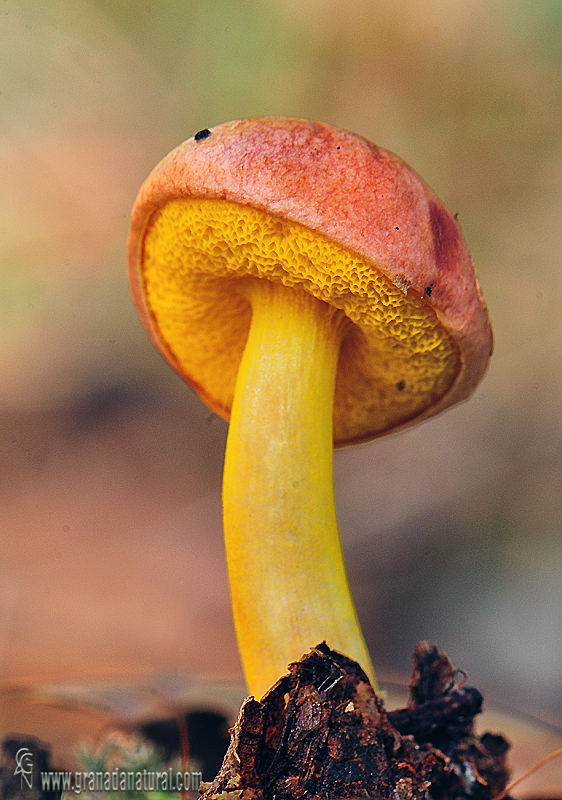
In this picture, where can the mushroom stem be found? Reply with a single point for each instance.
(287, 575)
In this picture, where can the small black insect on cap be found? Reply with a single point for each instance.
(202, 134)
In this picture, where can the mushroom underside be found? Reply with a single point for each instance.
(396, 361)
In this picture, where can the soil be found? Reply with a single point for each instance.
(321, 732)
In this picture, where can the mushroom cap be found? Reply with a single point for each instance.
(326, 211)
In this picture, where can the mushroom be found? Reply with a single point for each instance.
(314, 291)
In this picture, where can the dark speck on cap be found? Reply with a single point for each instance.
(202, 134)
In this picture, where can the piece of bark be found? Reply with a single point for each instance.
(441, 713)
(322, 733)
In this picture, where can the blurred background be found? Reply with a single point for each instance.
(110, 468)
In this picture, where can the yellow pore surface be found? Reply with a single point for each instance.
(396, 360)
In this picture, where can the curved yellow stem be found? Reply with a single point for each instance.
(287, 576)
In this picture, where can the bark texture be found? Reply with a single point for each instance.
(322, 733)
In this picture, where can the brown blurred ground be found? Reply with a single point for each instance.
(110, 469)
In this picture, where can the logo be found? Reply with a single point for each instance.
(24, 762)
